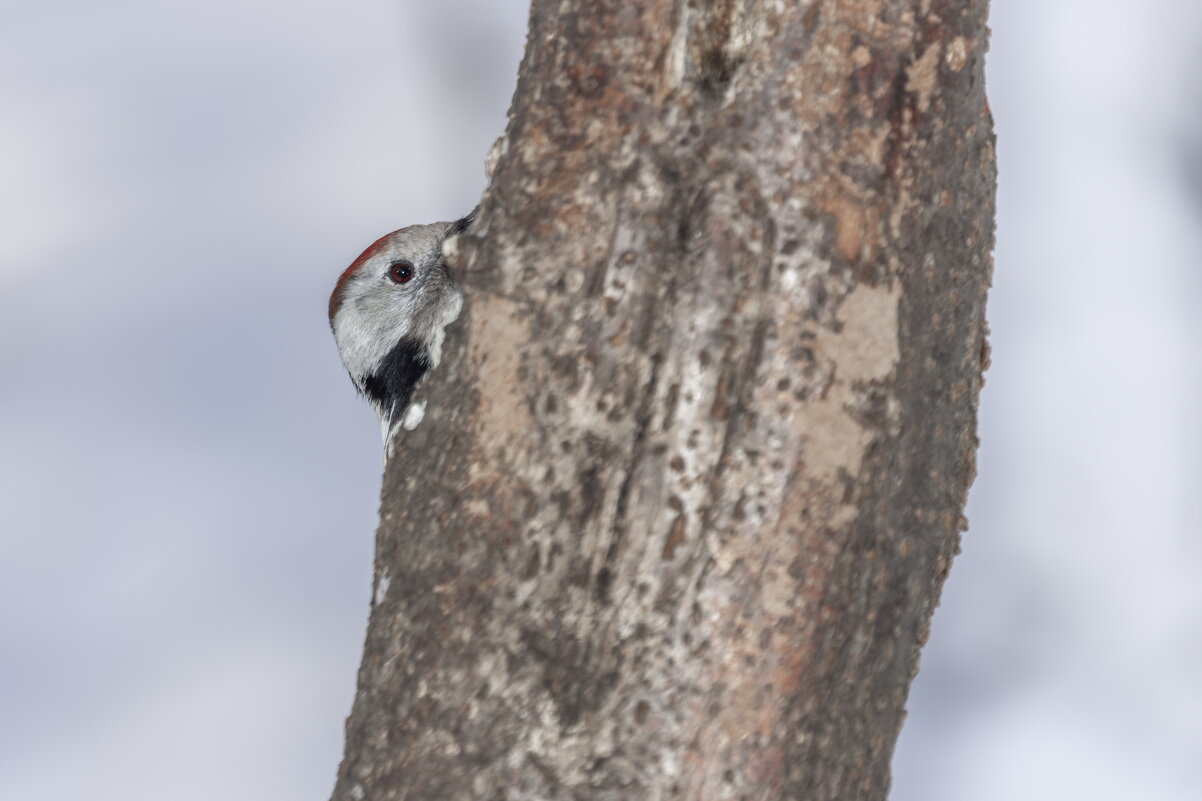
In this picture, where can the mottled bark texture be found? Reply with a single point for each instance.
(695, 463)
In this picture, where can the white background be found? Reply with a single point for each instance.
(188, 485)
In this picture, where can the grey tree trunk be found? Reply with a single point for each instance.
(696, 459)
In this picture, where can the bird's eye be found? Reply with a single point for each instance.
(401, 272)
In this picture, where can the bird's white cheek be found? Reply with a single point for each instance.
(359, 349)
(365, 336)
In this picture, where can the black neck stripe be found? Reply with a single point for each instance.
(391, 386)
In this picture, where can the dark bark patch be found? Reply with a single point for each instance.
(577, 676)
(592, 494)
(602, 586)
(717, 72)
(675, 538)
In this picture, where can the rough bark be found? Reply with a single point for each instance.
(695, 462)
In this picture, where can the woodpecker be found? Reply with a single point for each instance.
(388, 313)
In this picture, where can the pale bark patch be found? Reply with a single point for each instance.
(920, 77)
(834, 440)
(849, 228)
(864, 349)
(497, 339)
(957, 54)
(866, 346)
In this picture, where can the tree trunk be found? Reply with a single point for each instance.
(696, 458)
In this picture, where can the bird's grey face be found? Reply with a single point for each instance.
(399, 288)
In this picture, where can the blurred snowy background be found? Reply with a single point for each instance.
(188, 485)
